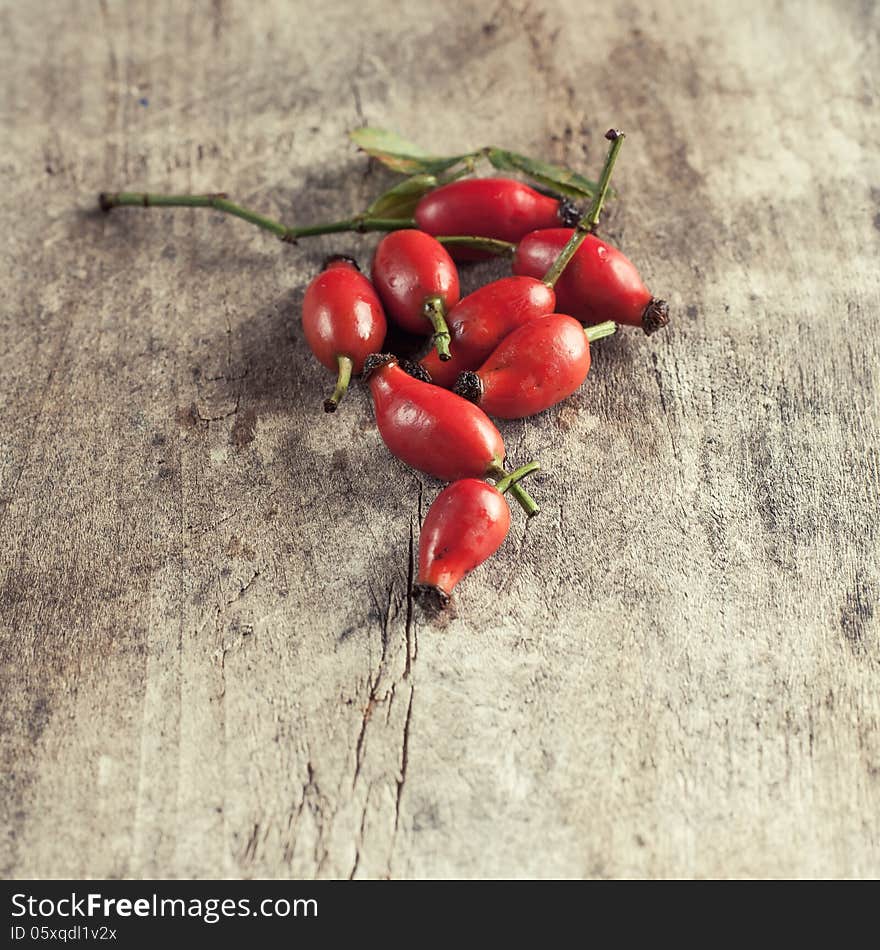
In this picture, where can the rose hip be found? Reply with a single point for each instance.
(599, 283)
(593, 280)
(417, 282)
(499, 208)
(533, 368)
(465, 526)
(343, 321)
(432, 429)
(480, 321)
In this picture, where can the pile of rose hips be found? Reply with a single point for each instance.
(510, 349)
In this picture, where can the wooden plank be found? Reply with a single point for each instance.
(208, 659)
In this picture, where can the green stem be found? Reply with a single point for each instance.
(434, 311)
(490, 245)
(359, 225)
(219, 202)
(526, 502)
(588, 222)
(509, 480)
(342, 381)
(600, 331)
(382, 224)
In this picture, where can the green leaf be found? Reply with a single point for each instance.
(560, 179)
(400, 155)
(401, 200)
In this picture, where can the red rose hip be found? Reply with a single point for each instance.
(499, 208)
(432, 429)
(465, 526)
(599, 283)
(533, 368)
(429, 428)
(417, 282)
(483, 319)
(343, 321)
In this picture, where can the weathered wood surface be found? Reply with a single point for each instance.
(209, 663)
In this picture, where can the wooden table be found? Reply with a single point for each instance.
(210, 664)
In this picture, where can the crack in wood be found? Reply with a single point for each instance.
(404, 758)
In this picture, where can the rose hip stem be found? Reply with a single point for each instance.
(588, 222)
(600, 330)
(509, 481)
(220, 202)
(491, 245)
(290, 235)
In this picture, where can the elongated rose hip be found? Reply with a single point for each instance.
(465, 525)
(500, 208)
(432, 429)
(480, 321)
(599, 283)
(593, 280)
(417, 282)
(533, 368)
(343, 321)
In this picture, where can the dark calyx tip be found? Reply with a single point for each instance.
(469, 386)
(432, 599)
(105, 201)
(329, 405)
(374, 361)
(339, 258)
(416, 370)
(568, 213)
(656, 316)
(613, 134)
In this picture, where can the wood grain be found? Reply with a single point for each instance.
(210, 664)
